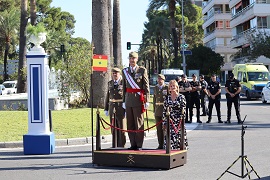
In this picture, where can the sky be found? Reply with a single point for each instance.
(132, 14)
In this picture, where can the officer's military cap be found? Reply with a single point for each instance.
(161, 76)
(231, 75)
(115, 69)
(194, 75)
(133, 55)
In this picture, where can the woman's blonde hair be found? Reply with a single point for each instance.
(176, 84)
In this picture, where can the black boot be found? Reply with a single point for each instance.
(209, 120)
(228, 121)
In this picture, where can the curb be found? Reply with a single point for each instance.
(71, 141)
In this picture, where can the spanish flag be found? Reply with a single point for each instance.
(100, 63)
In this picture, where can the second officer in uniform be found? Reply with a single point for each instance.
(233, 89)
(160, 91)
(214, 93)
(114, 100)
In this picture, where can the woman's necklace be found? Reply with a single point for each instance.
(174, 96)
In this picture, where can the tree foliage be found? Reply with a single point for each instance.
(204, 59)
(259, 44)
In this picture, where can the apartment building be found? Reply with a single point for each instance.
(249, 17)
(218, 32)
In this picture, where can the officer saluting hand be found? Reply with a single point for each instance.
(233, 89)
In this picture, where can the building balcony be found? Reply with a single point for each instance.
(218, 33)
(207, 5)
(241, 39)
(217, 16)
(250, 12)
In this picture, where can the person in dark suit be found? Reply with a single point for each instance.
(195, 98)
(135, 99)
(114, 100)
(160, 92)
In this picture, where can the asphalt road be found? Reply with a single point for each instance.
(212, 149)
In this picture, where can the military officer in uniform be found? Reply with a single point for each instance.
(214, 92)
(203, 95)
(160, 91)
(185, 88)
(195, 98)
(136, 99)
(233, 89)
(114, 100)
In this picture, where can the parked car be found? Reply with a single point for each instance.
(266, 93)
(3, 90)
(11, 87)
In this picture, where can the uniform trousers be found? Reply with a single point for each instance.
(215, 101)
(135, 121)
(187, 106)
(194, 100)
(160, 134)
(236, 102)
(203, 104)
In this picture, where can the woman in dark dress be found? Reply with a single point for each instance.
(177, 107)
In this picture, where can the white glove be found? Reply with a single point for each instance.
(106, 113)
(124, 105)
(146, 105)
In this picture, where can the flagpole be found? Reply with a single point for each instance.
(92, 101)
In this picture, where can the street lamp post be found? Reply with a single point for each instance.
(183, 39)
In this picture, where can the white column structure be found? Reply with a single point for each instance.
(39, 139)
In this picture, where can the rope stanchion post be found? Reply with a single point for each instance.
(182, 144)
(98, 141)
(168, 136)
(114, 130)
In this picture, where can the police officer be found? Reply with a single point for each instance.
(195, 98)
(160, 91)
(203, 95)
(185, 88)
(214, 92)
(135, 100)
(233, 89)
(114, 100)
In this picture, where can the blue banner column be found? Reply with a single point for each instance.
(39, 139)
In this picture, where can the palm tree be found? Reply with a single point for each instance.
(117, 53)
(22, 49)
(9, 24)
(171, 4)
(33, 15)
(100, 37)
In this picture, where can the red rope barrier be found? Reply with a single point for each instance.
(179, 126)
(111, 126)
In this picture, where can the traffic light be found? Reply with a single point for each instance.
(128, 45)
(62, 48)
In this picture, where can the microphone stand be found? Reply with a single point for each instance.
(243, 158)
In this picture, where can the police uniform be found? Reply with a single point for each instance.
(213, 88)
(185, 85)
(160, 92)
(203, 96)
(114, 100)
(195, 99)
(135, 95)
(232, 85)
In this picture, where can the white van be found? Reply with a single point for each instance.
(171, 74)
(11, 87)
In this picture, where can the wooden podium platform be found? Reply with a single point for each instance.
(145, 158)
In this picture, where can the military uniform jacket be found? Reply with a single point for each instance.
(158, 100)
(114, 97)
(213, 87)
(139, 79)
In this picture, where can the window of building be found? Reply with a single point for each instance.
(219, 24)
(228, 25)
(261, 22)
